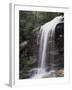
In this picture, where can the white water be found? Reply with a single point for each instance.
(47, 31)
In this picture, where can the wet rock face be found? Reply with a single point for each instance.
(59, 37)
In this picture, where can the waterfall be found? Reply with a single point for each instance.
(47, 35)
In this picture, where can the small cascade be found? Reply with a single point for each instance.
(47, 36)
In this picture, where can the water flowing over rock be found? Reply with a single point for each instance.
(47, 48)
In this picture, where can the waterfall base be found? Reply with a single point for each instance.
(45, 74)
(38, 73)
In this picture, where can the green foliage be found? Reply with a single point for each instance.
(29, 20)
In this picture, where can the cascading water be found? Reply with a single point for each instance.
(47, 32)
